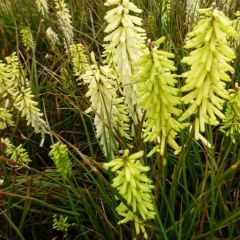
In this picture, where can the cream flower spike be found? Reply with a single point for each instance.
(135, 187)
(14, 91)
(126, 40)
(110, 114)
(205, 84)
(23, 97)
(25, 104)
(42, 7)
(52, 37)
(6, 85)
(158, 96)
(15, 73)
(64, 21)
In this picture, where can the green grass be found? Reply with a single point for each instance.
(197, 194)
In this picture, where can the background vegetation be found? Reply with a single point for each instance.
(197, 194)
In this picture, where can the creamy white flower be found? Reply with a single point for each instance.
(126, 41)
(64, 21)
(52, 36)
(110, 112)
(42, 7)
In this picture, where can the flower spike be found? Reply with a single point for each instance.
(205, 85)
(158, 96)
(135, 187)
(125, 40)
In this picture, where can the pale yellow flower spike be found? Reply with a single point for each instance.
(158, 96)
(23, 98)
(27, 38)
(17, 154)
(79, 59)
(14, 91)
(6, 85)
(5, 118)
(135, 187)
(42, 7)
(125, 40)
(209, 63)
(28, 107)
(52, 37)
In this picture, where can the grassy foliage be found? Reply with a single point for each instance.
(196, 194)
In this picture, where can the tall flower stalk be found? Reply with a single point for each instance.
(64, 21)
(16, 93)
(79, 60)
(135, 187)
(205, 85)
(125, 40)
(158, 97)
(109, 110)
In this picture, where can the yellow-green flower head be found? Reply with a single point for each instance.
(60, 223)
(5, 118)
(60, 155)
(231, 124)
(158, 96)
(79, 59)
(125, 40)
(135, 187)
(205, 84)
(27, 38)
(17, 154)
